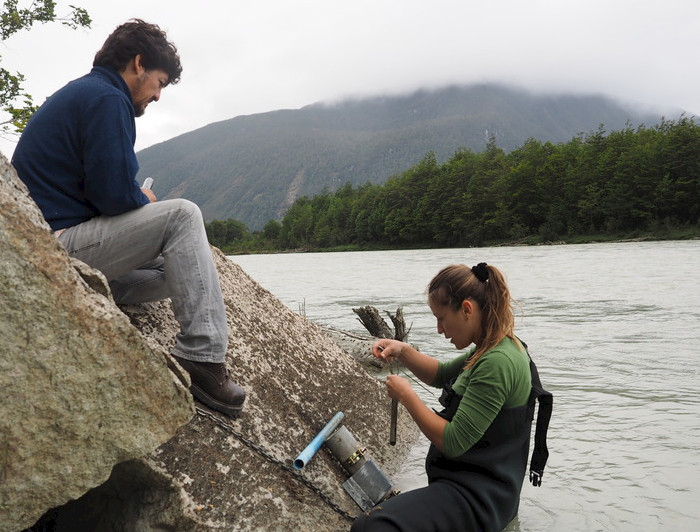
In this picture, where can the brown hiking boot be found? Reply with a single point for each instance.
(212, 386)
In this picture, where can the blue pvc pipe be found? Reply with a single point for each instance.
(308, 453)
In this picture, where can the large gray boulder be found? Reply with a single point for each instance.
(87, 389)
(80, 388)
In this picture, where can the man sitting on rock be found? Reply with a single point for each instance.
(77, 158)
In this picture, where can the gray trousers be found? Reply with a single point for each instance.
(157, 251)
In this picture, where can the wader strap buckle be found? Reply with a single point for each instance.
(536, 477)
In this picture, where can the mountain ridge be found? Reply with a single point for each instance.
(253, 167)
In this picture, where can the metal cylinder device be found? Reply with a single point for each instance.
(367, 484)
(345, 448)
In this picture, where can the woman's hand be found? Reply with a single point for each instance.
(430, 424)
(388, 350)
(398, 388)
(422, 366)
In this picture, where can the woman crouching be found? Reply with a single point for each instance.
(479, 442)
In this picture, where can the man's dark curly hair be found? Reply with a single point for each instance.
(138, 37)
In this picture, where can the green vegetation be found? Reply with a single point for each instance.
(252, 168)
(13, 99)
(627, 184)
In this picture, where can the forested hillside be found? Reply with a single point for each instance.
(253, 168)
(629, 182)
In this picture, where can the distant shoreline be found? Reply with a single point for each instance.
(691, 233)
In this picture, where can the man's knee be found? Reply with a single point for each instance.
(183, 216)
(184, 206)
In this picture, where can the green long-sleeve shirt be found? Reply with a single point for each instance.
(500, 379)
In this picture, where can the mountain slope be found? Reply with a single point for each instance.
(252, 168)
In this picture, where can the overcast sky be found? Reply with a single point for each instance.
(253, 56)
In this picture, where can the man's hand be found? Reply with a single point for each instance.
(149, 194)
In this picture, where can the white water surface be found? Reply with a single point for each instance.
(614, 330)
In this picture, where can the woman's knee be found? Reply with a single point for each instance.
(360, 523)
(373, 521)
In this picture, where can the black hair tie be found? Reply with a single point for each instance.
(481, 272)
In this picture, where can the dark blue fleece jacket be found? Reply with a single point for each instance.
(76, 155)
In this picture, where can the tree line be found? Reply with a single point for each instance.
(630, 181)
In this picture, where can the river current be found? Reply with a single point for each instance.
(615, 331)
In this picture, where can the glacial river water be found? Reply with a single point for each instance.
(615, 331)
